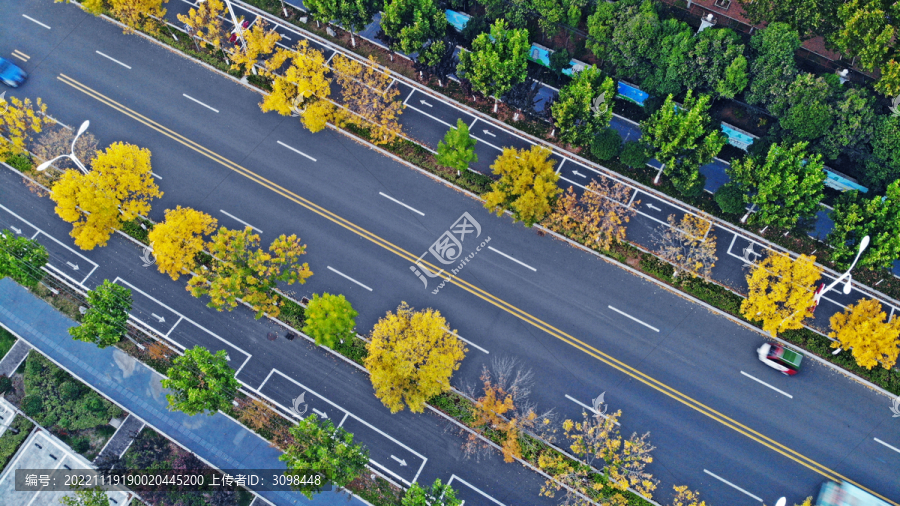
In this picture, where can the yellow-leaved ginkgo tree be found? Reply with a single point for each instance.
(243, 270)
(367, 92)
(526, 184)
(258, 42)
(862, 329)
(19, 119)
(118, 188)
(412, 355)
(205, 24)
(139, 14)
(781, 291)
(178, 239)
(302, 88)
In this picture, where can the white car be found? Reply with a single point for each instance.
(780, 358)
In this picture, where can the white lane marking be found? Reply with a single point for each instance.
(321, 414)
(464, 482)
(346, 414)
(113, 59)
(511, 258)
(29, 18)
(473, 123)
(488, 132)
(782, 392)
(160, 319)
(199, 102)
(585, 406)
(889, 446)
(425, 103)
(157, 176)
(283, 36)
(297, 151)
(560, 165)
(470, 343)
(579, 174)
(239, 220)
(388, 471)
(73, 266)
(339, 273)
(723, 480)
(626, 315)
(401, 203)
(651, 206)
(400, 461)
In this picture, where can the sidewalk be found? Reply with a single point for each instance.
(217, 439)
(14, 357)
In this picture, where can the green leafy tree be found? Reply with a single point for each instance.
(584, 106)
(635, 154)
(106, 320)
(773, 68)
(552, 13)
(805, 111)
(635, 41)
(607, 144)
(683, 138)
(560, 60)
(670, 57)
(786, 186)
(807, 17)
(856, 217)
(320, 446)
(868, 32)
(497, 61)
(730, 198)
(853, 127)
(200, 381)
(884, 166)
(21, 259)
(436, 494)
(716, 63)
(330, 319)
(526, 184)
(353, 15)
(243, 270)
(86, 497)
(412, 23)
(457, 150)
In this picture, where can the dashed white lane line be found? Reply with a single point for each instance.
(239, 220)
(511, 258)
(108, 57)
(297, 151)
(889, 446)
(626, 315)
(29, 18)
(470, 343)
(199, 102)
(732, 485)
(339, 273)
(782, 392)
(401, 203)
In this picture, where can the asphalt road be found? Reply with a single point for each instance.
(824, 416)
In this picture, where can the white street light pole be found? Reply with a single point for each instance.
(656, 180)
(238, 28)
(781, 502)
(71, 156)
(749, 211)
(847, 286)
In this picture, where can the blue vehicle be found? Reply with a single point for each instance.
(11, 74)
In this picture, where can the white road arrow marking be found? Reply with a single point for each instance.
(488, 132)
(425, 103)
(16, 230)
(401, 461)
(160, 319)
(320, 413)
(73, 266)
(651, 206)
(578, 173)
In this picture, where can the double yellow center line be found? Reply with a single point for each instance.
(766, 441)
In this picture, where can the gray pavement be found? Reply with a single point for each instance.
(122, 439)
(827, 417)
(14, 357)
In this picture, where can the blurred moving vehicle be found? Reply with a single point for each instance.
(11, 74)
(845, 494)
(780, 358)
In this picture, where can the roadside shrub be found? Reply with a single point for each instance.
(68, 391)
(607, 144)
(32, 405)
(730, 198)
(80, 444)
(692, 191)
(634, 155)
(5, 384)
(20, 162)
